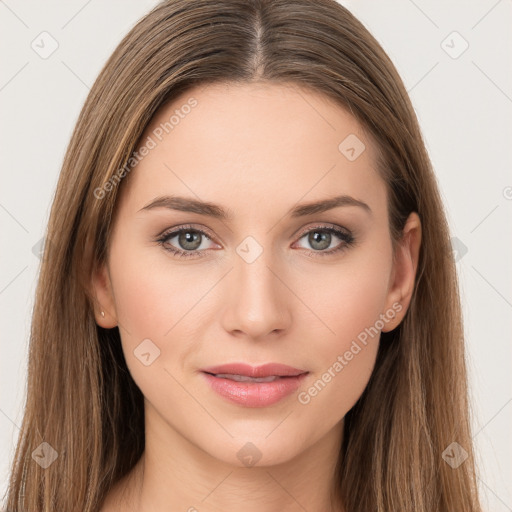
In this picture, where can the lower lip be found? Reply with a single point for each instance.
(254, 394)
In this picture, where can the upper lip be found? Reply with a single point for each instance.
(265, 370)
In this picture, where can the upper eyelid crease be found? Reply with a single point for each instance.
(191, 205)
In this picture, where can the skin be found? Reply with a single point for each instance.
(276, 146)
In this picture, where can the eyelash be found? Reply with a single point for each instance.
(346, 236)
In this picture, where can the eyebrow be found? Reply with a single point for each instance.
(186, 204)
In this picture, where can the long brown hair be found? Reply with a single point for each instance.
(81, 399)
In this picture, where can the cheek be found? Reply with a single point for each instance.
(154, 306)
(152, 293)
(145, 299)
(350, 305)
(348, 298)
(152, 303)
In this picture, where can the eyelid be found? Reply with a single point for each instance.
(322, 225)
(177, 229)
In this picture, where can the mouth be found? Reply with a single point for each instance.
(252, 386)
(254, 372)
(245, 378)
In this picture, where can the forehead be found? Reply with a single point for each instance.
(255, 144)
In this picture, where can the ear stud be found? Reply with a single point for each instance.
(103, 314)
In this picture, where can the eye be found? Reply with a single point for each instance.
(188, 243)
(321, 238)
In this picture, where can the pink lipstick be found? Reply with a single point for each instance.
(254, 386)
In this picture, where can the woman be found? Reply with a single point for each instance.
(248, 294)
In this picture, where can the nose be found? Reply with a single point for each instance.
(257, 302)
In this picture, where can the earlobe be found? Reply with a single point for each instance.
(404, 271)
(104, 305)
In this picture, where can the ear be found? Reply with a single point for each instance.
(103, 298)
(403, 275)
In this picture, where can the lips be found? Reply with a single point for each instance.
(245, 370)
(254, 386)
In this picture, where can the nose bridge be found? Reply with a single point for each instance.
(257, 304)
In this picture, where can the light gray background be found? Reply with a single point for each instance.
(464, 106)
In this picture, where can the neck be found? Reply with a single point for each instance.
(175, 474)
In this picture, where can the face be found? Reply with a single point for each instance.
(254, 276)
